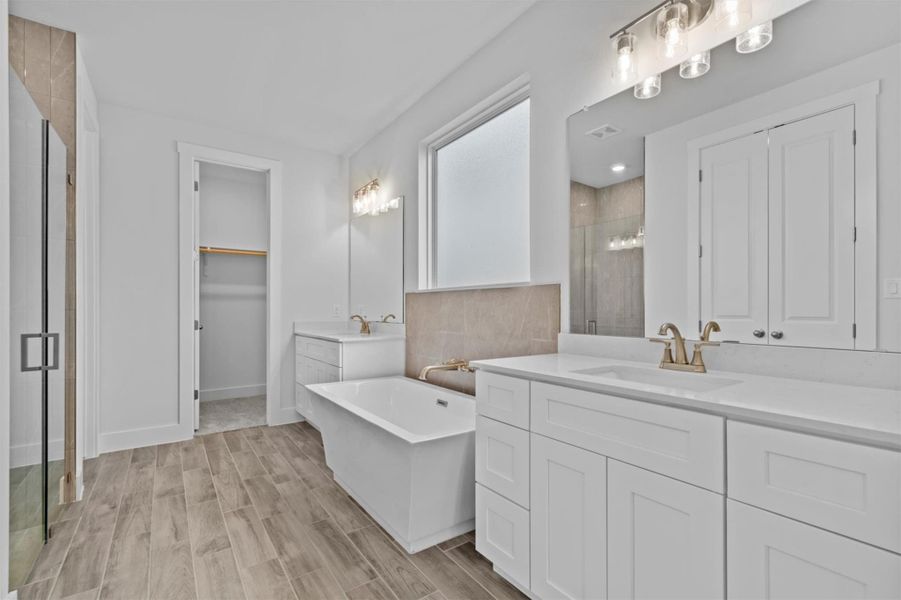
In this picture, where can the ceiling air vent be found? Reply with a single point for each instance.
(604, 131)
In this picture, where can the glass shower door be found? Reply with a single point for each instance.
(37, 313)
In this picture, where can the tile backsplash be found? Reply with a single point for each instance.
(477, 324)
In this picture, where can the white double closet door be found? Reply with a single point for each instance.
(777, 233)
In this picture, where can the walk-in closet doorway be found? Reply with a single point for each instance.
(229, 282)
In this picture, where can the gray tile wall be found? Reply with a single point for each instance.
(482, 323)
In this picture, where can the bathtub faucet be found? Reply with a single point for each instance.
(454, 364)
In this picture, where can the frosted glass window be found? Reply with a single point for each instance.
(480, 221)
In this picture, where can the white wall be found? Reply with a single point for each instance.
(666, 184)
(139, 261)
(564, 47)
(233, 214)
(4, 299)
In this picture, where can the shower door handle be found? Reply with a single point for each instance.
(54, 364)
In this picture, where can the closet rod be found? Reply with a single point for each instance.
(213, 250)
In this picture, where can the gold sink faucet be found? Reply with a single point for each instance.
(454, 364)
(364, 324)
(680, 363)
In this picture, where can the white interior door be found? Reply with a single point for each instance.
(734, 237)
(811, 206)
(197, 324)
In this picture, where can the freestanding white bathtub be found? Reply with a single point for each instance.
(405, 450)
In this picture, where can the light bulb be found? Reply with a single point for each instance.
(617, 167)
(695, 66)
(624, 47)
(732, 14)
(754, 39)
(671, 24)
(648, 88)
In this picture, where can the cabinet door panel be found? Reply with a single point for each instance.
(502, 459)
(811, 198)
(734, 237)
(568, 521)
(774, 558)
(664, 537)
(502, 535)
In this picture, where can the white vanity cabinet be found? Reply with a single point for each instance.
(629, 499)
(318, 359)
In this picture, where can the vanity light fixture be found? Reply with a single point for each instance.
(732, 14)
(617, 167)
(648, 88)
(754, 39)
(695, 66)
(370, 200)
(624, 47)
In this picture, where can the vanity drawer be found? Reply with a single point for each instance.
(503, 398)
(678, 443)
(502, 535)
(502, 459)
(847, 488)
(327, 352)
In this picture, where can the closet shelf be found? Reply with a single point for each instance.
(238, 251)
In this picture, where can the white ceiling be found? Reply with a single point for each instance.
(326, 75)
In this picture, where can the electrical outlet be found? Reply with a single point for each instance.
(336, 311)
(892, 288)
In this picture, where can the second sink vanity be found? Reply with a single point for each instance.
(602, 478)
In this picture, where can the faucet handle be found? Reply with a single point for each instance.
(667, 349)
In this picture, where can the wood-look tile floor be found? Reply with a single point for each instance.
(252, 513)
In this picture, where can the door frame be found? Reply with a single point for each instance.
(188, 156)
(863, 99)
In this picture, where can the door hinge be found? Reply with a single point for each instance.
(699, 325)
(196, 186)
(196, 325)
(197, 394)
(855, 234)
(700, 251)
(69, 477)
(854, 138)
(700, 175)
(854, 330)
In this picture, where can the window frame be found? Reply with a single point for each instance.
(493, 106)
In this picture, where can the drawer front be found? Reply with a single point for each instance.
(678, 443)
(502, 459)
(847, 488)
(503, 398)
(502, 535)
(773, 558)
(327, 352)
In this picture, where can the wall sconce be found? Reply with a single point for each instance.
(370, 200)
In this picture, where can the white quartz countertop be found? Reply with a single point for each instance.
(859, 414)
(339, 332)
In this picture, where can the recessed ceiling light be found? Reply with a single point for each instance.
(617, 167)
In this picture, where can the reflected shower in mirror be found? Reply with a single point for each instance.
(749, 194)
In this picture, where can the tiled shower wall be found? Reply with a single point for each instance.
(43, 58)
(607, 287)
(474, 324)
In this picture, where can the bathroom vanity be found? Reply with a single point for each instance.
(327, 353)
(601, 478)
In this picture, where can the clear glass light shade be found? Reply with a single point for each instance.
(648, 88)
(671, 25)
(624, 49)
(731, 14)
(695, 66)
(754, 39)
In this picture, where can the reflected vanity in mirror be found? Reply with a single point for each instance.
(763, 195)
(377, 257)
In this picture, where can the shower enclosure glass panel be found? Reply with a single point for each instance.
(37, 316)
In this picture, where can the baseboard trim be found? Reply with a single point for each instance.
(30, 454)
(138, 438)
(242, 391)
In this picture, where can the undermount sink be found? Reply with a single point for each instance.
(693, 382)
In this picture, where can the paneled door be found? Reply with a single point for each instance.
(569, 516)
(733, 253)
(811, 206)
(775, 558)
(664, 538)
